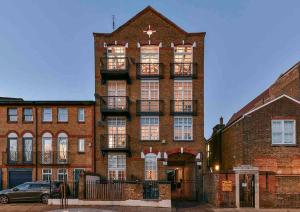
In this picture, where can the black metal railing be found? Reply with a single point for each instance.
(114, 68)
(58, 189)
(149, 107)
(148, 70)
(151, 190)
(114, 104)
(183, 107)
(18, 158)
(183, 70)
(114, 142)
(54, 157)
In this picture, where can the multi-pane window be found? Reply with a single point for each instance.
(46, 174)
(13, 147)
(149, 128)
(116, 132)
(12, 114)
(183, 96)
(117, 167)
(62, 175)
(47, 114)
(62, 148)
(27, 147)
(62, 115)
(283, 132)
(149, 96)
(81, 116)
(47, 148)
(117, 94)
(183, 128)
(183, 58)
(81, 145)
(149, 60)
(150, 167)
(116, 57)
(27, 114)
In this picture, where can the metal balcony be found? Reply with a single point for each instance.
(149, 107)
(18, 158)
(115, 143)
(183, 70)
(54, 158)
(183, 107)
(114, 68)
(114, 105)
(149, 70)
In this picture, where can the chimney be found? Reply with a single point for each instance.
(221, 120)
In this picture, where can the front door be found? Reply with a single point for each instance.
(247, 194)
(175, 176)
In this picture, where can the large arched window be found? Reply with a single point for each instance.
(47, 148)
(62, 148)
(12, 147)
(27, 147)
(150, 166)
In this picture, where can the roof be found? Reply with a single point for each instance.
(10, 99)
(261, 99)
(145, 10)
(45, 102)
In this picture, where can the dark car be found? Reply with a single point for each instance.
(30, 191)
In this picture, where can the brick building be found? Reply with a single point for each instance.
(149, 103)
(260, 150)
(45, 140)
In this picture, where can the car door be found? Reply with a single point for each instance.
(19, 193)
(34, 192)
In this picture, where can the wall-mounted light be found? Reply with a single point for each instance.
(217, 167)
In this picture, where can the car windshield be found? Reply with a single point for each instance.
(23, 186)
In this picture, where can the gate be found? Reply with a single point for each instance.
(104, 190)
(247, 190)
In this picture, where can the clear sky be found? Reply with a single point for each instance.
(46, 47)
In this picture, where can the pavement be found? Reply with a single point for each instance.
(181, 207)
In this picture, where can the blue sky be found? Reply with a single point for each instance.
(46, 47)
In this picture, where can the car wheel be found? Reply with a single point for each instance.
(3, 199)
(45, 198)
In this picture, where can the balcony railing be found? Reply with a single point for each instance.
(182, 70)
(18, 158)
(149, 107)
(149, 70)
(114, 143)
(54, 157)
(114, 105)
(114, 68)
(183, 107)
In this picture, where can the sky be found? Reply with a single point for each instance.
(46, 47)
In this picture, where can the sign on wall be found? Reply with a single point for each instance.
(226, 185)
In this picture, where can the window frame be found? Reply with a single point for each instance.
(152, 158)
(59, 115)
(8, 115)
(24, 115)
(78, 143)
(282, 143)
(78, 115)
(117, 169)
(149, 127)
(48, 174)
(183, 128)
(66, 174)
(43, 116)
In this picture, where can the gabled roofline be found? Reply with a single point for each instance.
(148, 8)
(260, 107)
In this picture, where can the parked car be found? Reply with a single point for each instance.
(30, 191)
(56, 190)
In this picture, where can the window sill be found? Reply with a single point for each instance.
(47, 122)
(156, 141)
(12, 122)
(27, 122)
(81, 153)
(81, 122)
(62, 122)
(284, 145)
(183, 140)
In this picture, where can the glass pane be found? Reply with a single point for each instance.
(13, 149)
(27, 149)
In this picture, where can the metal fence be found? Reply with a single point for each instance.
(60, 189)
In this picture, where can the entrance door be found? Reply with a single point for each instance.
(175, 176)
(247, 194)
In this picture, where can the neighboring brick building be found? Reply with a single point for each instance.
(149, 90)
(45, 140)
(260, 147)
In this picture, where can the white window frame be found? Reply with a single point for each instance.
(50, 114)
(46, 174)
(62, 173)
(79, 145)
(81, 114)
(282, 121)
(148, 125)
(183, 128)
(59, 115)
(151, 165)
(114, 167)
(15, 115)
(150, 90)
(116, 57)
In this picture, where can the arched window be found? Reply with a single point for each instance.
(27, 147)
(62, 148)
(12, 147)
(47, 148)
(150, 166)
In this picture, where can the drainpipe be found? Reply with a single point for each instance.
(94, 143)
(36, 143)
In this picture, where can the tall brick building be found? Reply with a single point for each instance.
(149, 103)
(45, 140)
(258, 149)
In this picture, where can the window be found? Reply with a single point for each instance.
(149, 128)
(116, 57)
(81, 117)
(47, 148)
(149, 60)
(62, 175)
(62, 114)
(47, 114)
(183, 128)
(150, 167)
(28, 116)
(62, 148)
(183, 58)
(149, 95)
(13, 147)
(116, 167)
(283, 132)
(46, 174)
(27, 147)
(12, 114)
(81, 145)
(76, 174)
(183, 96)
(116, 132)
(117, 94)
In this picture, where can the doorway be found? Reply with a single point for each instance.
(247, 190)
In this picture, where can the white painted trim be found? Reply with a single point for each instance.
(130, 202)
